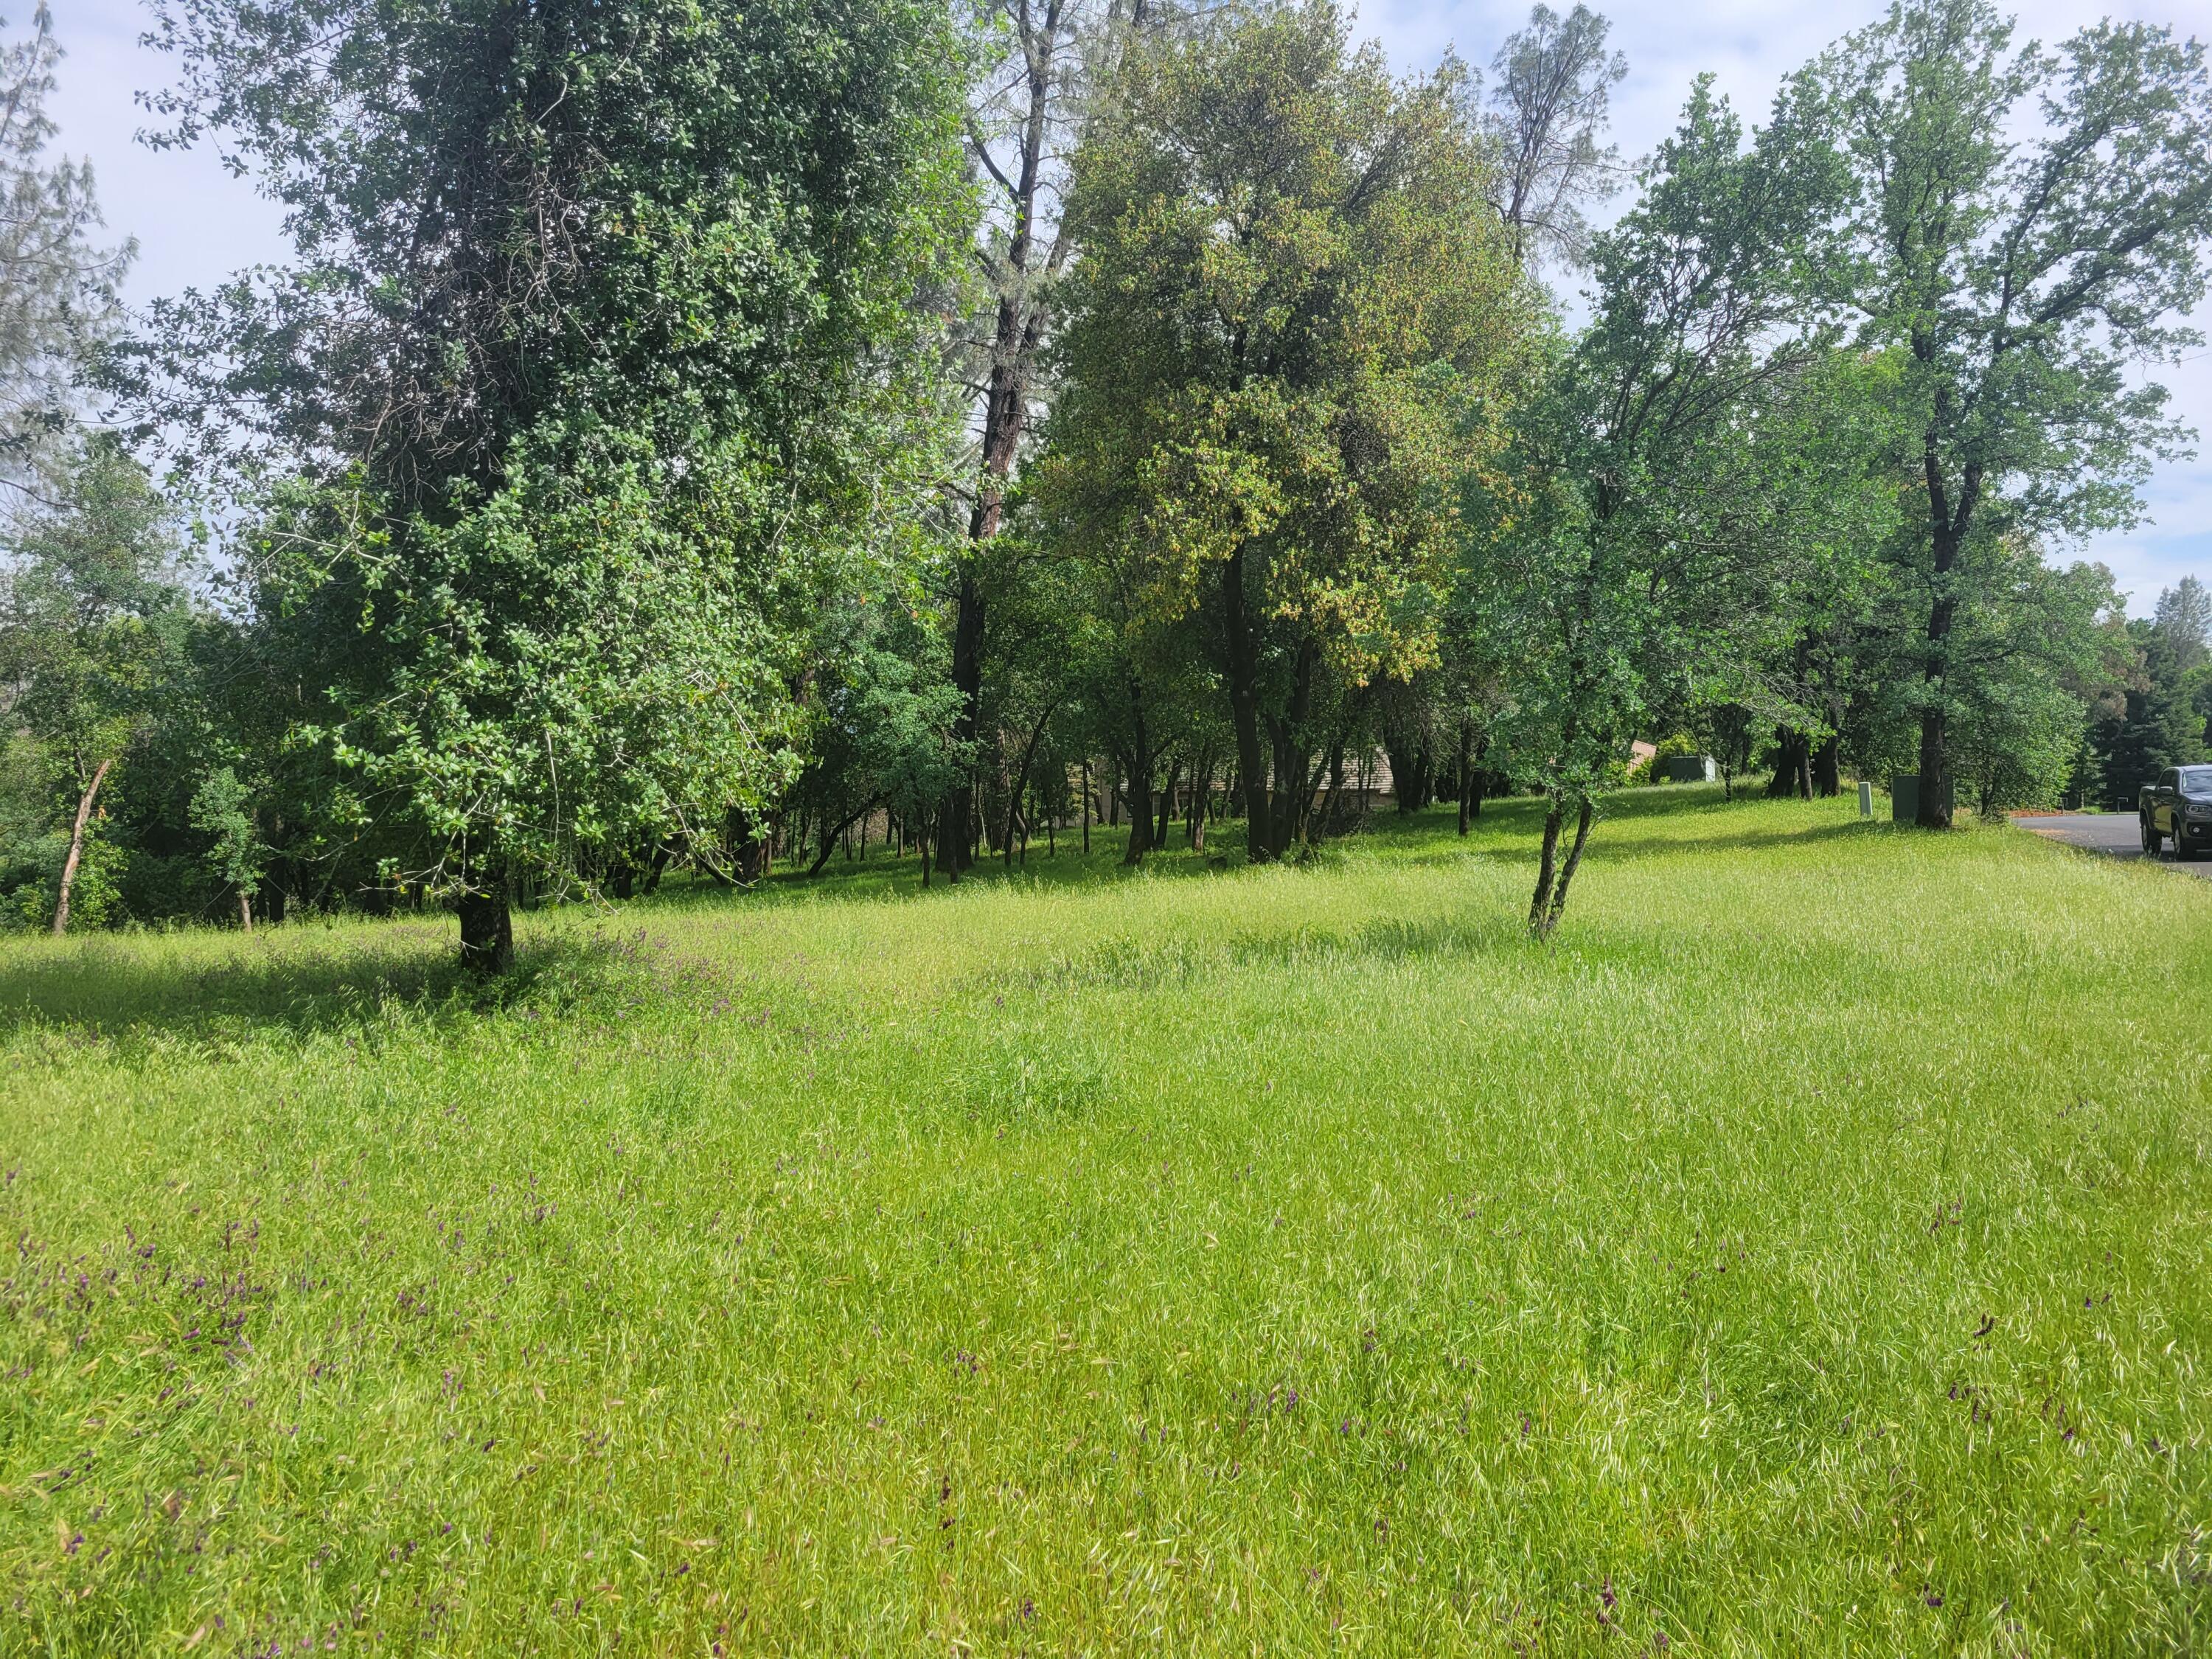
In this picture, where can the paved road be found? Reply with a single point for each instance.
(2116, 833)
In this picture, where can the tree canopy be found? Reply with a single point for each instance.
(2019, 279)
(596, 368)
(1288, 335)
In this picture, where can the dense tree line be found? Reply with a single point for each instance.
(693, 436)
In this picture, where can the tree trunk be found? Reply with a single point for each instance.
(953, 826)
(1934, 759)
(1243, 655)
(1547, 870)
(1466, 774)
(1827, 767)
(1413, 769)
(487, 927)
(1137, 776)
(1567, 871)
(1017, 337)
(1948, 529)
(1201, 796)
(989, 819)
(749, 846)
(1137, 787)
(245, 911)
(76, 847)
(1290, 793)
(1477, 780)
(1329, 817)
(1167, 803)
(1021, 782)
(1292, 797)
(1791, 751)
(830, 838)
(1139, 784)
(1399, 754)
(1086, 808)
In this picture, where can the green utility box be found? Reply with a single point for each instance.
(1905, 798)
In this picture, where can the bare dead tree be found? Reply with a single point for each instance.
(1547, 105)
(57, 289)
(1044, 61)
(1019, 133)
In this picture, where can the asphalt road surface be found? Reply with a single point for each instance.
(2116, 833)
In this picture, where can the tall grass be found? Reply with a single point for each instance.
(1807, 1253)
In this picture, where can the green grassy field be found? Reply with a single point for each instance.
(1810, 1252)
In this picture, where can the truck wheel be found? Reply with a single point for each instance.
(2150, 839)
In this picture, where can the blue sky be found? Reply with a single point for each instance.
(195, 223)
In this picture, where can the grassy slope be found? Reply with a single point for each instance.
(1251, 1262)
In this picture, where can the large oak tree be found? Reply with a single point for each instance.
(1296, 323)
(597, 359)
(2030, 222)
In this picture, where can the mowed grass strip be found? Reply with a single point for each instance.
(1806, 1254)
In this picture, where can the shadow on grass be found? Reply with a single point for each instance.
(1603, 847)
(880, 876)
(296, 982)
(1508, 828)
(303, 980)
(1638, 823)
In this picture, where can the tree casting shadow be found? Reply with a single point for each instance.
(298, 982)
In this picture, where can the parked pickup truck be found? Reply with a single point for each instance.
(2178, 804)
